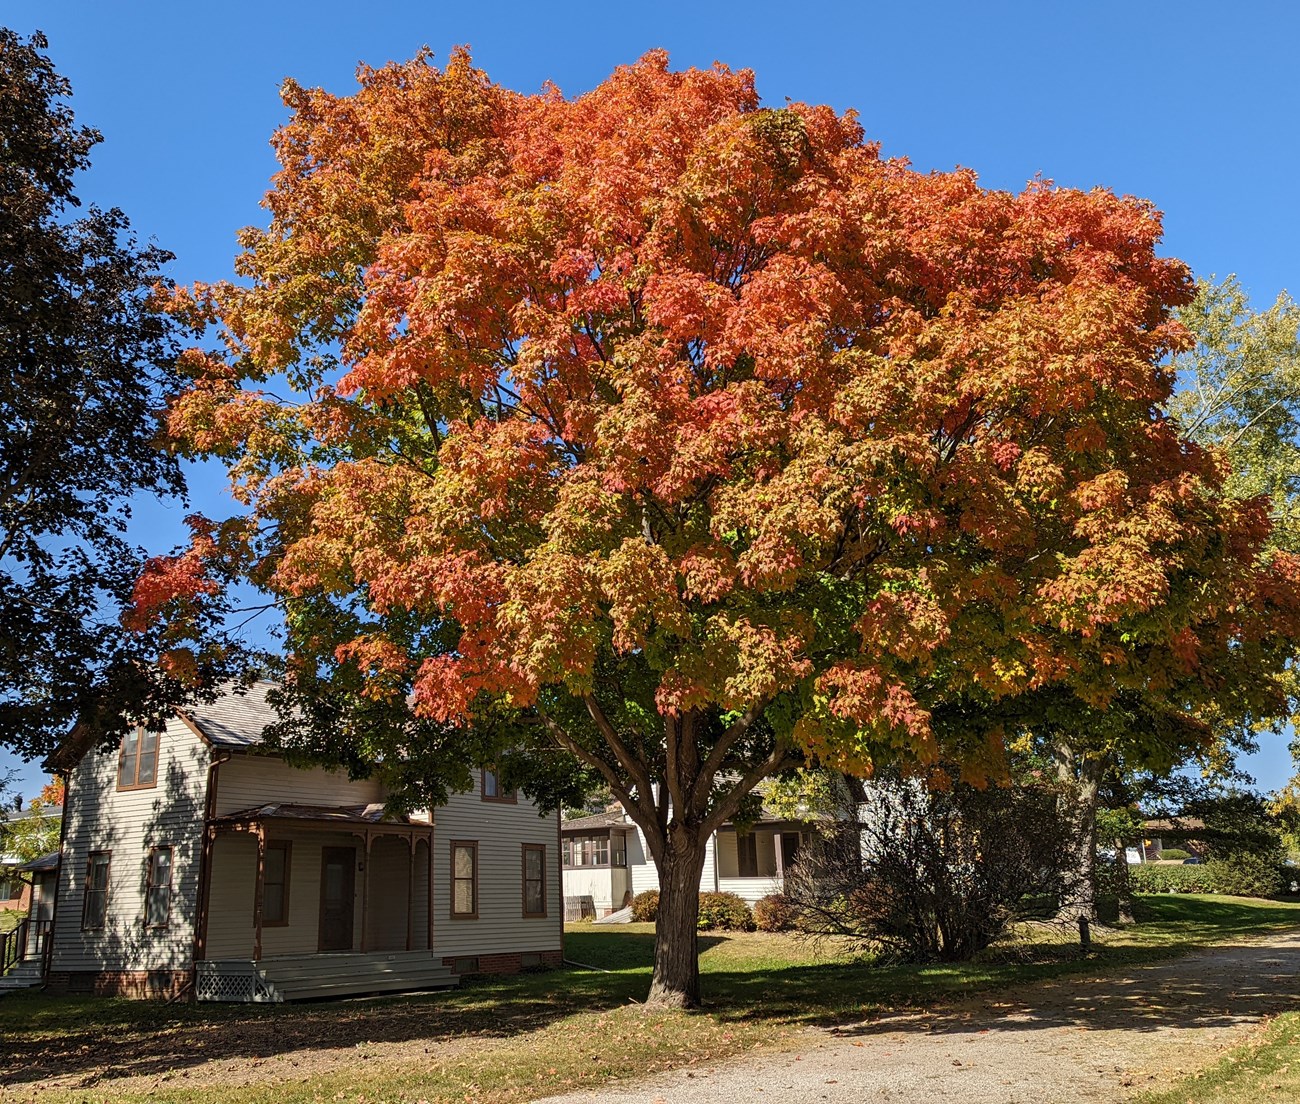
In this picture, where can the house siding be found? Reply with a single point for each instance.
(129, 823)
(644, 875)
(248, 781)
(500, 829)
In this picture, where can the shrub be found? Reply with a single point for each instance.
(724, 911)
(645, 906)
(775, 912)
(932, 875)
(1175, 853)
(1149, 878)
(1246, 874)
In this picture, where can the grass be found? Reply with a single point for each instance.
(10, 919)
(1266, 1069)
(503, 1040)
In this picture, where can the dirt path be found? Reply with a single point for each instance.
(1065, 1042)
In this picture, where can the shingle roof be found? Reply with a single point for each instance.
(237, 718)
(588, 823)
(44, 863)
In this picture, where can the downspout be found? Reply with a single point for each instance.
(205, 861)
(47, 952)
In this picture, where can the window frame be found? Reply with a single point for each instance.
(472, 846)
(107, 856)
(512, 798)
(140, 734)
(539, 848)
(150, 886)
(285, 846)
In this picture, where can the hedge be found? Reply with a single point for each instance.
(724, 911)
(645, 906)
(1241, 875)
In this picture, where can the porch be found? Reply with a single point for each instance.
(753, 864)
(311, 901)
(304, 977)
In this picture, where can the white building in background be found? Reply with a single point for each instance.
(607, 863)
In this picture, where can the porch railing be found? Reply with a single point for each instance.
(28, 941)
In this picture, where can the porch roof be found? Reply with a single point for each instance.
(43, 864)
(348, 815)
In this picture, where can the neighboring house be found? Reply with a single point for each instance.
(195, 861)
(15, 877)
(606, 860)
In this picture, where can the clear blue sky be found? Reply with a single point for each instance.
(1190, 103)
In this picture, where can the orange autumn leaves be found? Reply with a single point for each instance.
(658, 372)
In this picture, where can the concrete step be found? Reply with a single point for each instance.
(23, 975)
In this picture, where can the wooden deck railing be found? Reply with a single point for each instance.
(27, 941)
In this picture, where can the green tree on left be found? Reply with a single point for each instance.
(85, 363)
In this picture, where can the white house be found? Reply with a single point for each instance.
(193, 861)
(607, 863)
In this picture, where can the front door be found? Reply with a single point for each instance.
(337, 880)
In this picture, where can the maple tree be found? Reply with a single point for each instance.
(685, 441)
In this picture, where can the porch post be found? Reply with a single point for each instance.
(259, 891)
(780, 858)
(365, 892)
(431, 835)
(410, 889)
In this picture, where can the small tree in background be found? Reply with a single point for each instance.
(37, 833)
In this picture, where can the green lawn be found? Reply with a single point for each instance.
(1265, 1070)
(10, 919)
(515, 1039)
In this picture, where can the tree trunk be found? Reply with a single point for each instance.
(676, 980)
(1081, 777)
(1123, 887)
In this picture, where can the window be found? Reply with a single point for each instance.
(464, 880)
(158, 888)
(137, 765)
(275, 884)
(618, 850)
(588, 851)
(94, 902)
(747, 855)
(535, 879)
(492, 788)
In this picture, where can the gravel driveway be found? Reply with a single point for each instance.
(1077, 1039)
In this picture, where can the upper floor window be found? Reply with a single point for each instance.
(158, 888)
(94, 902)
(137, 765)
(492, 790)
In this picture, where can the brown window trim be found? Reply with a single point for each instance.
(149, 887)
(85, 893)
(473, 846)
(140, 733)
(512, 798)
(287, 847)
(541, 848)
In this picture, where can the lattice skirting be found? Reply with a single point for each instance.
(232, 980)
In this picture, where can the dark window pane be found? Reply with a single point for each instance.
(273, 904)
